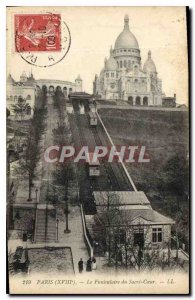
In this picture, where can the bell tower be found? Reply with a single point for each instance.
(78, 84)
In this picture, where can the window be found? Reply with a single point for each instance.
(112, 74)
(121, 64)
(107, 75)
(129, 63)
(28, 97)
(156, 235)
(125, 63)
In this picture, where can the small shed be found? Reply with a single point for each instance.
(93, 165)
(92, 119)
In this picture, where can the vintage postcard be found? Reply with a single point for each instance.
(97, 115)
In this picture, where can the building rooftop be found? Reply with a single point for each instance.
(130, 216)
(120, 198)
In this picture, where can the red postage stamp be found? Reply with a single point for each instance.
(38, 32)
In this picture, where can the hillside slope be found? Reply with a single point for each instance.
(165, 178)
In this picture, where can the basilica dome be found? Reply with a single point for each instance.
(149, 66)
(126, 39)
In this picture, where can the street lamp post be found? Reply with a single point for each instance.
(34, 221)
(57, 222)
(66, 211)
(36, 191)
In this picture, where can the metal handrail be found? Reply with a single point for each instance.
(126, 172)
(85, 232)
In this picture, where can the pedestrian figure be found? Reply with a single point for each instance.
(80, 264)
(94, 264)
(88, 268)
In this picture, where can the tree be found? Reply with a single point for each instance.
(21, 108)
(30, 157)
(177, 175)
(107, 226)
(62, 177)
(27, 163)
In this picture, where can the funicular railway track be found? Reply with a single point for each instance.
(91, 141)
(107, 166)
(112, 178)
(123, 182)
(85, 187)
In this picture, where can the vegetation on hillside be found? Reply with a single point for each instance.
(165, 180)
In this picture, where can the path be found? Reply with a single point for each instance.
(74, 239)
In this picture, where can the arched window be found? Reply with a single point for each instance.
(118, 64)
(15, 98)
(58, 89)
(138, 100)
(44, 89)
(136, 80)
(28, 97)
(121, 64)
(145, 101)
(51, 89)
(125, 64)
(130, 100)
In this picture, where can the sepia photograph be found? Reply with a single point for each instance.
(97, 146)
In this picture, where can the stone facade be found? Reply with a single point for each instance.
(28, 87)
(123, 77)
(66, 87)
(24, 89)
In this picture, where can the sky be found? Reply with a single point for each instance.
(94, 29)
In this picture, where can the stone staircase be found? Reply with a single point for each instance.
(51, 227)
(45, 226)
(40, 226)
